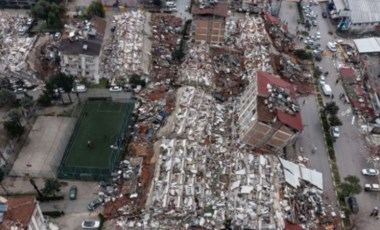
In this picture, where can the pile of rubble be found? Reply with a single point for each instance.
(128, 51)
(204, 177)
(228, 70)
(166, 30)
(14, 44)
(197, 68)
(249, 35)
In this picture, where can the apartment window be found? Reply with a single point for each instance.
(87, 73)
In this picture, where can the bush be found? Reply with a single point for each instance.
(53, 214)
(102, 220)
(50, 198)
(303, 54)
(300, 12)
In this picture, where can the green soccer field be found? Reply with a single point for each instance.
(100, 124)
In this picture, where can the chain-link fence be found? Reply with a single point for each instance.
(96, 173)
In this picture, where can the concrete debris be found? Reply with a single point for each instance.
(129, 48)
(166, 30)
(197, 68)
(15, 45)
(249, 35)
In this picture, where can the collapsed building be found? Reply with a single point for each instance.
(129, 49)
(14, 45)
(279, 33)
(81, 47)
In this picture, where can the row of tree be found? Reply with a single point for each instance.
(53, 11)
(56, 85)
(331, 109)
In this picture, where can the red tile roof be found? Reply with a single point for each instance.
(263, 79)
(294, 121)
(347, 71)
(274, 21)
(220, 9)
(20, 210)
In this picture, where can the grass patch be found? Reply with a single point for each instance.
(103, 84)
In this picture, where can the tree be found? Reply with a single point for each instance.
(51, 12)
(61, 80)
(51, 187)
(334, 120)
(350, 186)
(44, 99)
(14, 116)
(331, 108)
(157, 3)
(7, 98)
(136, 80)
(35, 187)
(2, 175)
(13, 128)
(27, 103)
(95, 9)
(303, 54)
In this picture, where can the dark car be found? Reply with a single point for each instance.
(353, 204)
(73, 192)
(324, 15)
(95, 204)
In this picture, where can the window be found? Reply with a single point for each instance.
(87, 73)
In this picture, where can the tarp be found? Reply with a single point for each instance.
(368, 45)
(294, 173)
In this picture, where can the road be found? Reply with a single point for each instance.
(312, 136)
(350, 150)
(92, 92)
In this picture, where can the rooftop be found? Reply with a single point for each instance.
(364, 11)
(20, 211)
(84, 38)
(219, 9)
(279, 97)
(347, 71)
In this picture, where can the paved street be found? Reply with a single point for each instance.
(350, 148)
(312, 135)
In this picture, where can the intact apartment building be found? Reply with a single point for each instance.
(80, 49)
(17, 3)
(21, 213)
(269, 115)
(209, 23)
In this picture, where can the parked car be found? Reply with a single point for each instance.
(95, 204)
(353, 204)
(370, 172)
(20, 90)
(79, 89)
(331, 46)
(73, 192)
(115, 89)
(324, 14)
(326, 89)
(335, 132)
(322, 80)
(372, 187)
(90, 224)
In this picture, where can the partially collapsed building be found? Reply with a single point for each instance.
(269, 113)
(81, 47)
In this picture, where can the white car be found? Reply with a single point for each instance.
(370, 172)
(90, 224)
(322, 80)
(115, 89)
(331, 46)
(335, 131)
(79, 89)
